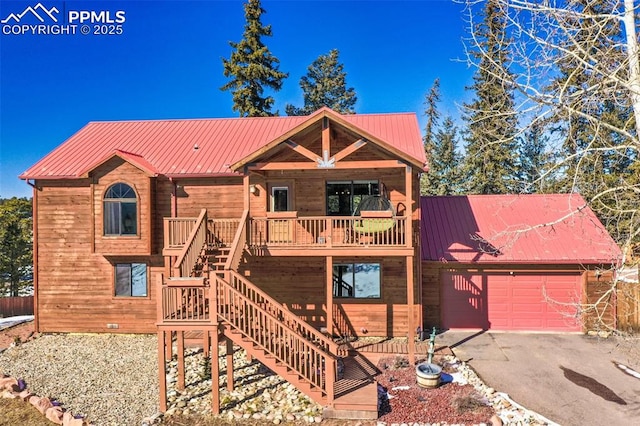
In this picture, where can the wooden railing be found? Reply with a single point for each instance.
(183, 299)
(238, 244)
(177, 231)
(192, 248)
(328, 231)
(274, 335)
(258, 297)
(222, 231)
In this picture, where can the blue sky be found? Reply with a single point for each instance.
(167, 63)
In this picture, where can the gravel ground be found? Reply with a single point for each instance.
(110, 379)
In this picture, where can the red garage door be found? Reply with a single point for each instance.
(501, 301)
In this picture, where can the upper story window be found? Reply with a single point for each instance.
(120, 210)
(343, 198)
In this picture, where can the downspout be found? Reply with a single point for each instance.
(34, 218)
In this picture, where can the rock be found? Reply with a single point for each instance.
(8, 394)
(9, 383)
(25, 395)
(277, 421)
(181, 404)
(290, 417)
(69, 420)
(54, 414)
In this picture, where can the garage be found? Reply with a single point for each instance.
(511, 301)
(513, 262)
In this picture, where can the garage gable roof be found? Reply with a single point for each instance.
(533, 228)
(205, 147)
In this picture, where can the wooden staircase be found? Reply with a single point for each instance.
(260, 325)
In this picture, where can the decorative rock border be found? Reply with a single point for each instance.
(13, 388)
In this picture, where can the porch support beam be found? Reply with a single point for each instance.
(229, 364)
(409, 211)
(215, 373)
(411, 341)
(245, 189)
(329, 289)
(162, 365)
(350, 149)
(299, 165)
(302, 150)
(326, 138)
(180, 342)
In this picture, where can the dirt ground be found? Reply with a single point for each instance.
(17, 333)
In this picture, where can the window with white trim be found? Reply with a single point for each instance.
(120, 210)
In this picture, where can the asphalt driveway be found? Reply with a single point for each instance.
(571, 379)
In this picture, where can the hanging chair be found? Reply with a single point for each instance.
(377, 215)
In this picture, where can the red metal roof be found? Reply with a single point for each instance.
(537, 229)
(200, 147)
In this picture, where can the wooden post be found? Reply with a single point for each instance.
(162, 376)
(168, 342)
(206, 343)
(409, 211)
(411, 342)
(326, 137)
(180, 339)
(330, 379)
(329, 290)
(245, 188)
(215, 373)
(229, 365)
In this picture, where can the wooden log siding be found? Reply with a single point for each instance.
(76, 286)
(628, 307)
(299, 284)
(114, 171)
(222, 197)
(15, 306)
(600, 301)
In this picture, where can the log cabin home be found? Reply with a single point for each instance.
(272, 234)
(241, 229)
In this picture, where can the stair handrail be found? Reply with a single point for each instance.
(276, 309)
(188, 257)
(296, 352)
(239, 240)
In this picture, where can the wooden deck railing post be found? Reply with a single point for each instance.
(162, 375)
(330, 378)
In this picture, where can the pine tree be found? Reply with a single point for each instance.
(490, 162)
(444, 169)
(16, 259)
(252, 67)
(534, 160)
(325, 85)
(430, 178)
(593, 156)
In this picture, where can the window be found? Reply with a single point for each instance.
(131, 279)
(280, 199)
(120, 210)
(358, 280)
(343, 198)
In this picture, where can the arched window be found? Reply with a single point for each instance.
(120, 210)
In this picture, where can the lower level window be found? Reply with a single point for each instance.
(359, 280)
(131, 279)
